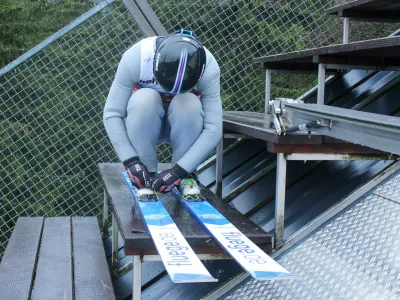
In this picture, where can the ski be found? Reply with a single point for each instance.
(247, 254)
(180, 261)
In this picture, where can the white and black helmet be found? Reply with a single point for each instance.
(179, 62)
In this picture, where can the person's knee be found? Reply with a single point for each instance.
(186, 108)
(145, 101)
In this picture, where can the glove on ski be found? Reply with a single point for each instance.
(165, 181)
(137, 172)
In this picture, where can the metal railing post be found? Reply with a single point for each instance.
(346, 27)
(218, 177)
(321, 84)
(268, 79)
(280, 200)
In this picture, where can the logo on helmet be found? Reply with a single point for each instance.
(202, 71)
(157, 61)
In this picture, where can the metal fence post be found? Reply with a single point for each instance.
(268, 78)
(220, 157)
(280, 200)
(321, 84)
(346, 29)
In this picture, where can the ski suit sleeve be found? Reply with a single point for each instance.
(209, 87)
(115, 109)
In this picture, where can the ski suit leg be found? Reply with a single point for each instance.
(145, 113)
(185, 116)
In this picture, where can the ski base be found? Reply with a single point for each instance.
(247, 254)
(180, 261)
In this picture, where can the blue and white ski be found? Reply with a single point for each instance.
(180, 261)
(236, 244)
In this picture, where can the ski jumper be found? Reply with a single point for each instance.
(138, 114)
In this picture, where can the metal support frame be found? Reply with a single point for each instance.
(105, 215)
(367, 129)
(280, 200)
(311, 227)
(137, 278)
(218, 177)
(151, 258)
(324, 156)
(114, 257)
(321, 84)
(268, 80)
(145, 17)
(346, 27)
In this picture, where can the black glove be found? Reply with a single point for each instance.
(165, 181)
(137, 172)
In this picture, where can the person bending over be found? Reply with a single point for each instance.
(166, 90)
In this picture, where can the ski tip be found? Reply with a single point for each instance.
(262, 275)
(191, 278)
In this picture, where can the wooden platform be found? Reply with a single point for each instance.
(368, 10)
(257, 125)
(134, 233)
(379, 54)
(55, 258)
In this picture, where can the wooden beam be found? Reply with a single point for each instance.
(334, 148)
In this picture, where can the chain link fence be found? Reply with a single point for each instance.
(51, 132)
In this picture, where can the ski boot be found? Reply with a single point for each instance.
(146, 195)
(190, 189)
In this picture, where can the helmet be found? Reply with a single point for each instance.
(179, 62)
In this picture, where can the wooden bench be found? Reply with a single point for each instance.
(138, 242)
(55, 258)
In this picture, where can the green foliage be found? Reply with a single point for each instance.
(25, 23)
(51, 131)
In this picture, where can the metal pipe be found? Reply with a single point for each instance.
(280, 200)
(114, 258)
(137, 278)
(321, 84)
(346, 27)
(220, 157)
(268, 79)
(105, 215)
(55, 36)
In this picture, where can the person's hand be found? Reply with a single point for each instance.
(165, 181)
(137, 172)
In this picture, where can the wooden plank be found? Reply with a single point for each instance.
(53, 278)
(91, 274)
(18, 263)
(381, 47)
(369, 7)
(141, 243)
(357, 60)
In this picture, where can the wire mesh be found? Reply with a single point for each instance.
(237, 31)
(51, 133)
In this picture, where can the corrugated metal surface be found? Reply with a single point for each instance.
(354, 256)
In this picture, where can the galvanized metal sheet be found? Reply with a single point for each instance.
(354, 256)
(390, 190)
